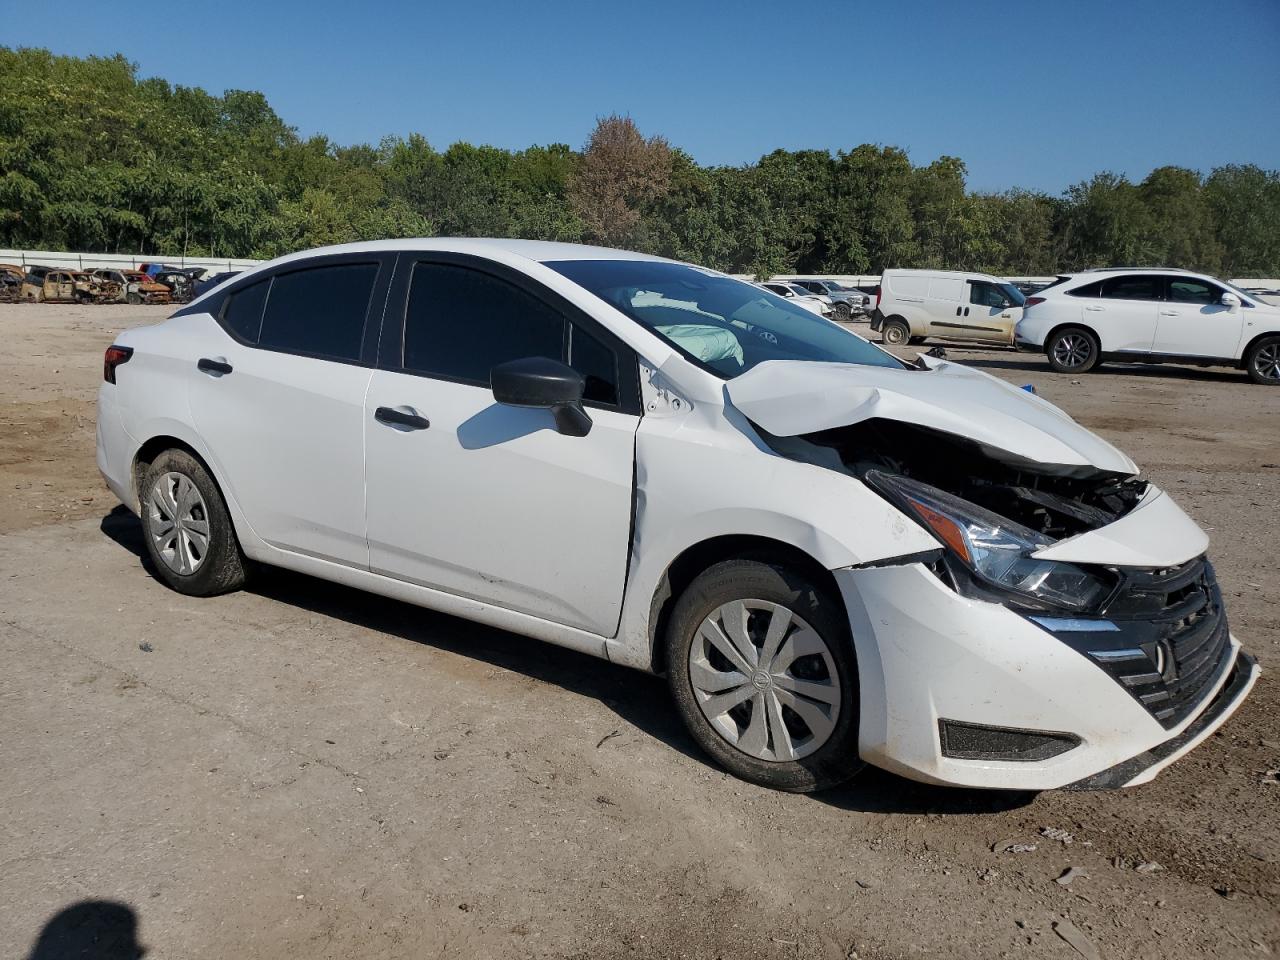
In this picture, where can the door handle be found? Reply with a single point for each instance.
(1096, 309)
(1168, 313)
(957, 311)
(215, 366)
(398, 418)
(966, 311)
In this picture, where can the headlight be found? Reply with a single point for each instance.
(997, 551)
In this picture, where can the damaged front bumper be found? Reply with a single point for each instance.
(966, 692)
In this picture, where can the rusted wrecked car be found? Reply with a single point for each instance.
(134, 286)
(181, 282)
(68, 286)
(11, 277)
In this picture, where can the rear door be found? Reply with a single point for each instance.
(1194, 323)
(1124, 313)
(278, 393)
(487, 501)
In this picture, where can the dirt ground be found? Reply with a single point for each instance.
(300, 770)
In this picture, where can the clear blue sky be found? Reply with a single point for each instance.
(1033, 93)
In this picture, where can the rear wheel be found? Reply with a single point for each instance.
(763, 673)
(1072, 350)
(1263, 362)
(188, 532)
(895, 331)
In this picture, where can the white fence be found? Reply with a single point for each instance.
(117, 261)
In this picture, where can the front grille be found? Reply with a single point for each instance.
(1175, 638)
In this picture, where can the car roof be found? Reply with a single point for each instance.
(541, 251)
(1138, 270)
(950, 274)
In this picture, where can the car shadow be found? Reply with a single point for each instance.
(637, 698)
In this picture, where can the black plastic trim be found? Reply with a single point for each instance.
(1228, 697)
(1042, 744)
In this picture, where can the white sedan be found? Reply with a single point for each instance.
(833, 555)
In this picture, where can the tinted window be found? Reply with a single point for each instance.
(987, 294)
(1193, 291)
(1131, 288)
(320, 311)
(596, 362)
(243, 313)
(461, 323)
(1088, 290)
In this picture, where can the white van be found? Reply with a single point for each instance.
(951, 305)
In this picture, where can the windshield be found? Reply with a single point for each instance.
(725, 325)
(1016, 296)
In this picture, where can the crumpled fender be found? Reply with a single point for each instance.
(787, 398)
(1155, 533)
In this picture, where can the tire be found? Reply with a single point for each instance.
(1262, 361)
(1072, 350)
(134, 299)
(195, 563)
(895, 332)
(843, 311)
(787, 751)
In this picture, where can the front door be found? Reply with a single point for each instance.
(487, 501)
(1194, 323)
(988, 312)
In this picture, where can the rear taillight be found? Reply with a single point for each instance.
(1032, 301)
(877, 296)
(112, 359)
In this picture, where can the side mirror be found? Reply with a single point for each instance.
(547, 384)
(1230, 300)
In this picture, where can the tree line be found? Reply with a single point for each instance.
(93, 157)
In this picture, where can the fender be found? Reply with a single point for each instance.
(154, 427)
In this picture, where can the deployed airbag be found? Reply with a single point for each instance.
(705, 342)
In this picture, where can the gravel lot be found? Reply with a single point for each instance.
(300, 770)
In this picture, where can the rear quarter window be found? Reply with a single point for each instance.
(1088, 290)
(242, 314)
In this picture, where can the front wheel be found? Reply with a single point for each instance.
(1073, 350)
(1263, 362)
(843, 311)
(762, 670)
(895, 332)
(187, 529)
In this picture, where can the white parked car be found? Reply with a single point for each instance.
(1148, 315)
(833, 555)
(812, 302)
(947, 305)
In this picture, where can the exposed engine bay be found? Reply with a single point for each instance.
(1043, 498)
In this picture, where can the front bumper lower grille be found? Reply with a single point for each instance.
(1173, 644)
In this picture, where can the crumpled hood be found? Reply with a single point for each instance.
(788, 397)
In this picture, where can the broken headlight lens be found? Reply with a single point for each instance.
(996, 550)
